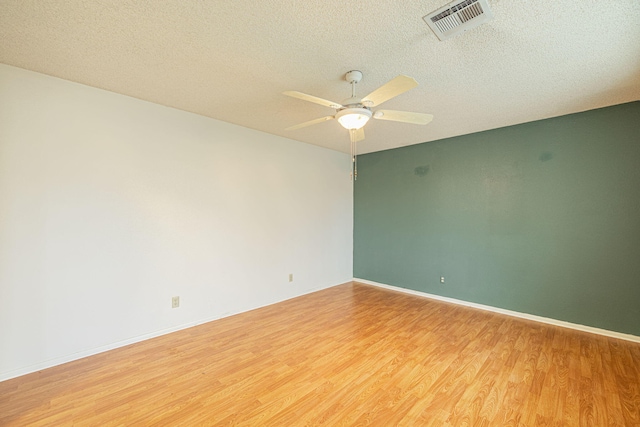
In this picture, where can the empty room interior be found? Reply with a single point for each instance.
(320, 213)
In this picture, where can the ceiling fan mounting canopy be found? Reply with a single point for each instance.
(353, 76)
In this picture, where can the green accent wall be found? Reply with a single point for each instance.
(540, 218)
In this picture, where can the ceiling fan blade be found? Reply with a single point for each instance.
(403, 116)
(312, 98)
(356, 134)
(389, 90)
(310, 122)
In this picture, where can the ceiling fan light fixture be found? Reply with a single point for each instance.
(353, 118)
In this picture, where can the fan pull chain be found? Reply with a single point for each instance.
(351, 158)
(354, 154)
(355, 161)
(352, 135)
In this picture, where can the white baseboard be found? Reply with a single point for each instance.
(561, 323)
(96, 350)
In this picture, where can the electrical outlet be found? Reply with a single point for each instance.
(290, 277)
(441, 279)
(175, 302)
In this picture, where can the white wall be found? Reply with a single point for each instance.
(109, 206)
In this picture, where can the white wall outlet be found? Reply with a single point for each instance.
(441, 279)
(175, 302)
(290, 277)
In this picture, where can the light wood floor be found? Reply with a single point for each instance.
(349, 355)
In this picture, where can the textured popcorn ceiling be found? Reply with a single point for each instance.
(232, 59)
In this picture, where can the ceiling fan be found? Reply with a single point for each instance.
(353, 113)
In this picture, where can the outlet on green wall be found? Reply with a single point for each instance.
(540, 218)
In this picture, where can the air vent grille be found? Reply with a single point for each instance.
(458, 17)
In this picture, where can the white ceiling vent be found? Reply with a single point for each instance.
(458, 17)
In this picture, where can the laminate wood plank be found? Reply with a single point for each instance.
(468, 409)
(349, 355)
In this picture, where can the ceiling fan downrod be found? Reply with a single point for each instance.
(353, 77)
